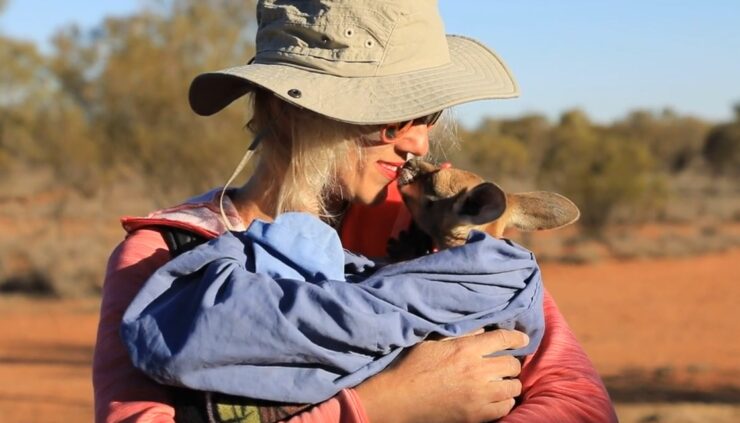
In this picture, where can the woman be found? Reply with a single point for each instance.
(349, 92)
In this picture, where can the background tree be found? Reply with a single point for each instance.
(600, 171)
(113, 100)
(674, 141)
(150, 60)
(722, 147)
(494, 154)
(24, 91)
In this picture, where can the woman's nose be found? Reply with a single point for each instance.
(414, 140)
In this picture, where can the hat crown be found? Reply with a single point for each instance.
(352, 38)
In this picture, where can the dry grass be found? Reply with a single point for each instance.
(684, 412)
(697, 197)
(55, 241)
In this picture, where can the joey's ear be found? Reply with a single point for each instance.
(532, 211)
(484, 203)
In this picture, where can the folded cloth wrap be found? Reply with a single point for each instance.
(281, 312)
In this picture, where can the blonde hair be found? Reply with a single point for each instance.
(304, 151)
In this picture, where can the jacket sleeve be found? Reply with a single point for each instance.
(345, 407)
(124, 394)
(559, 383)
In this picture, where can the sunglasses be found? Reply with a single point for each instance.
(427, 120)
(392, 129)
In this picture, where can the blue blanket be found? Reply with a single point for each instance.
(281, 312)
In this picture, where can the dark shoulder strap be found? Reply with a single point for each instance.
(180, 240)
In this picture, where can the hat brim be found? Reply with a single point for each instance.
(474, 73)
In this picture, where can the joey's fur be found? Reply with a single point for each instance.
(448, 203)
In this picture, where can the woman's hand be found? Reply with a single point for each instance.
(447, 381)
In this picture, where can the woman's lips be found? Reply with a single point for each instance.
(389, 169)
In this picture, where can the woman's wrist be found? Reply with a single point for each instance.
(380, 400)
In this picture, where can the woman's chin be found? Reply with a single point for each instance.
(372, 199)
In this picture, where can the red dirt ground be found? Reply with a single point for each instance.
(667, 323)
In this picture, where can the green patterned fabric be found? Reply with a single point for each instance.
(208, 407)
(230, 409)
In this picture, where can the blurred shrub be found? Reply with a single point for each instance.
(674, 142)
(497, 156)
(55, 240)
(115, 98)
(599, 171)
(22, 91)
(722, 147)
(505, 149)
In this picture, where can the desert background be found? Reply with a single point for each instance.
(94, 125)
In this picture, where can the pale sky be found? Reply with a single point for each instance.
(606, 57)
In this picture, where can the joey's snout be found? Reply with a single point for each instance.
(408, 173)
(412, 169)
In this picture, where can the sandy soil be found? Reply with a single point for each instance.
(672, 317)
(664, 334)
(45, 354)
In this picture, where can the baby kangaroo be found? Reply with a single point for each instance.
(447, 203)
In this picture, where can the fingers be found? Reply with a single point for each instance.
(502, 399)
(501, 390)
(498, 368)
(496, 410)
(494, 341)
(469, 383)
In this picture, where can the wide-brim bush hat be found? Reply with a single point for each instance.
(359, 61)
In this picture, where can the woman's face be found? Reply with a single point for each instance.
(365, 180)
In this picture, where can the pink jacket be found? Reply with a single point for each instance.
(559, 382)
